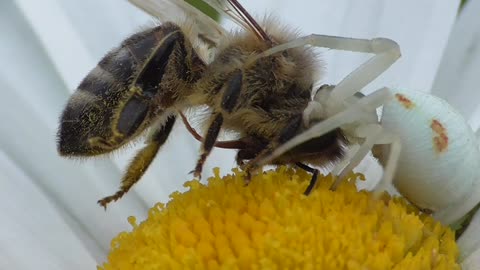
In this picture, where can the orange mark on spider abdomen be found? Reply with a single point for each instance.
(440, 140)
(407, 103)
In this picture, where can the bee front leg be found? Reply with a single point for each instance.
(289, 131)
(141, 162)
(243, 155)
(252, 146)
(231, 92)
(313, 180)
(252, 165)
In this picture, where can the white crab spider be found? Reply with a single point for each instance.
(438, 168)
(433, 155)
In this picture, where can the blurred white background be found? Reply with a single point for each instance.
(49, 204)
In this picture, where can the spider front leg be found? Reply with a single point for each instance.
(231, 92)
(355, 113)
(386, 53)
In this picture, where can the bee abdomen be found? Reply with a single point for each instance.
(131, 85)
(152, 73)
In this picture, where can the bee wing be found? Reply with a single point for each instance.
(206, 28)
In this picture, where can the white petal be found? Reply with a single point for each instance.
(69, 184)
(33, 228)
(472, 262)
(421, 29)
(49, 25)
(32, 97)
(469, 245)
(457, 79)
(469, 242)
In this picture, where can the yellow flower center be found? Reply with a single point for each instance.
(270, 224)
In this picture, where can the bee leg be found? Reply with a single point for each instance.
(287, 133)
(141, 161)
(244, 155)
(252, 165)
(252, 146)
(313, 181)
(247, 154)
(231, 92)
(208, 142)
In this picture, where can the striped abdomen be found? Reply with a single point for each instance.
(131, 86)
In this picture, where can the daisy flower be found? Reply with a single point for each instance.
(51, 219)
(272, 225)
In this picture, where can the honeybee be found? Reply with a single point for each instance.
(257, 82)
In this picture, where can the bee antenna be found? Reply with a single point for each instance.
(254, 26)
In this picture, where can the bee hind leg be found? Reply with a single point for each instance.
(141, 162)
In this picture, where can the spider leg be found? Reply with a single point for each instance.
(371, 133)
(351, 114)
(391, 160)
(346, 159)
(386, 53)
